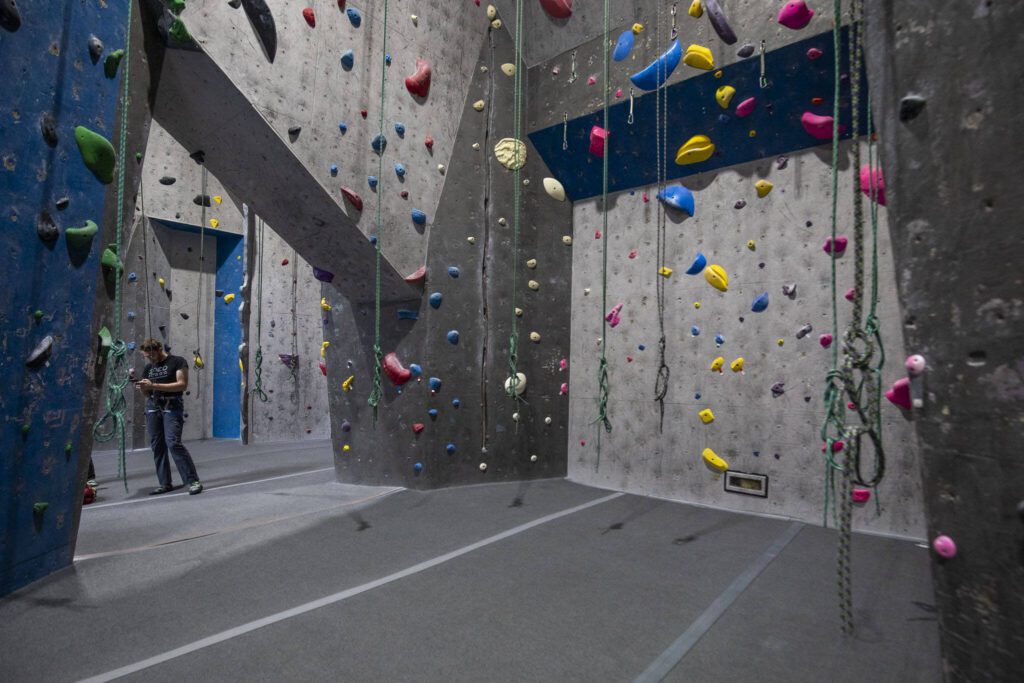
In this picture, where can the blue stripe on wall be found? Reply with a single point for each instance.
(227, 377)
(693, 110)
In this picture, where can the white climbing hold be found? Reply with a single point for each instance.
(440, 169)
(520, 384)
(492, 11)
(533, 284)
(532, 263)
(476, 145)
(508, 69)
(533, 458)
(511, 153)
(554, 189)
(478, 105)
(567, 240)
(519, 312)
(547, 420)
(471, 239)
(535, 337)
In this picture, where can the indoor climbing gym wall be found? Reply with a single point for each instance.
(57, 125)
(732, 268)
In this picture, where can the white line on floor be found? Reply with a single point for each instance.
(337, 597)
(166, 496)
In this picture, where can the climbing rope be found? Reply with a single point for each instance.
(198, 363)
(257, 368)
(661, 136)
(602, 369)
(517, 104)
(117, 356)
(377, 392)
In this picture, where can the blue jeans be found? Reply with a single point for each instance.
(165, 418)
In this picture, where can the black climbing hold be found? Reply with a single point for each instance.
(62, 203)
(911, 106)
(48, 127)
(778, 389)
(235, 4)
(10, 17)
(294, 131)
(167, 180)
(219, 293)
(184, 316)
(262, 22)
(95, 48)
(198, 156)
(41, 353)
(745, 51)
(46, 228)
(201, 200)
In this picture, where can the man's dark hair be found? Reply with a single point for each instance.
(151, 345)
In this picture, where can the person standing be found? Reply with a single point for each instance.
(163, 383)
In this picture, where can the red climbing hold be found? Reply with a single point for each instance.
(419, 82)
(394, 370)
(404, 194)
(417, 277)
(417, 428)
(284, 262)
(899, 393)
(362, 112)
(429, 142)
(353, 199)
(814, 53)
(559, 9)
(341, 5)
(310, 18)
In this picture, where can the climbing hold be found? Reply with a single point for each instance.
(453, 337)
(716, 364)
(899, 393)
(598, 140)
(394, 370)
(372, 181)
(736, 365)
(532, 263)
(819, 127)
(471, 239)
(658, 71)
(944, 547)
(535, 337)
(724, 96)
(214, 222)
(46, 229)
(229, 298)
(414, 368)
(837, 249)
(419, 82)
(677, 197)
(563, 389)
(910, 106)
(695, 331)
(805, 330)
(453, 271)
(778, 389)
(346, 385)
(418, 217)
(813, 53)
(97, 153)
(789, 290)
(760, 303)
(780, 341)
(751, 245)
(379, 143)
(508, 69)
(348, 59)
(559, 9)
(322, 275)
(162, 282)
(718, 21)
(825, 340)
(740, 203)
(623, 46)
(719, 340)
(795, 14)
(763, 187)
(511, 153)
(613, 316)
(915, 365)
(696, 9)
(324, 306)
(111, 63)
(745, 51)
(441, 169)
(417, 276)
(435, 300)
(399, 129)
(567, 240)
(872, 184)
(746, 107)
(478, 105)
(456, 403)
(711, 459)
(665, 271)
(309, 16)
(699, 57)
(95, 47)
(637, 28)
(717, 277)
(706, 416)
(520, 384)
(10, 16)
(554, 189)
(48, 129)
(354, 16)
(342, 126)
(695, 150)
(333, 170)
(850, 293)
(41, 353)
(697, 265)
(533, 284)
(81, 238)
(860, 495)
(111, 262)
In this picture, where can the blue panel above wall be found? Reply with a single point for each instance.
(795, 81)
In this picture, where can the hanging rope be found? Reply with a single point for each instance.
(661, 136)
(602, 369)
(377, 392)
(517, 104)
(257, 368)
(111, 424)
(198, 362)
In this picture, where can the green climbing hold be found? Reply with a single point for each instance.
(25, 427)
(67, 447)
(81, 238)
(179, 33)
(176, 6)
(97, 153)
(106, 340)
(111, 63)
(138, 157)
(40, 507)
(38, 314)
(111, 262)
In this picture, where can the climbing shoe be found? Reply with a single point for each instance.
(161, 489)
(194, 488)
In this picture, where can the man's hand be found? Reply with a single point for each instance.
(144, 385)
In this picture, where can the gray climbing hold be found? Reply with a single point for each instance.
(718, 21)
(62, 203)
(169, 180)
(910, 106)
(804, 331)
(48, 129)
(778, 389)
(46, 228)
(10, 17)
(745, 51)
(262, 22)
(95, 48)
(789, 290)
(781, 162)
(41, 353)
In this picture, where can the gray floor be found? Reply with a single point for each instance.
(277, 573)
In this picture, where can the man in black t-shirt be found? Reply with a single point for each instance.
(163, 383)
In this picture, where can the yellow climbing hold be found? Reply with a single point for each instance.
(696, 9)
(717, 277)
(346, 448)
(751, 245)
(716, 364)
(478, 105)
(695, 150)
(511, 153)
(228, 298)
(508, 69)
(737, 365)
(780, 341)
(161, 281)
(752, 134)
(217, 199)
(198, 362)
(665, 271)
(554, 189)
(323, 348)
(719, 73)
(724, 96)
(712, 460)
(324, 305)
(346, 386)
(763, 187)
(699, 57)
(696, 304)
(706, 416)
(637, 28)
(491, 11)
(214, 222)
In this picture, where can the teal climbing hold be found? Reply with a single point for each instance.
(97, 153)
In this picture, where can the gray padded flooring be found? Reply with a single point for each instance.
(594, 594)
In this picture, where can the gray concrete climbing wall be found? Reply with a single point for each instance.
(754, 431)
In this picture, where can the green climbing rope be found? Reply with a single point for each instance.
(517, 106)
(378, 356)
(257, 368)
(603, 382)
(111, 424)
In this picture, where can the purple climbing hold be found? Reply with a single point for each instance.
(740, 203)
(745, 51)
(345, 426)
(718, 21)
(322, 275)
(778, 389)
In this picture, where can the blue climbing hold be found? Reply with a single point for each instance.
(456, 403)
(400, 170)
(400, 129)
(406, 314)
(342, 126)
(418, 467)
(696, 397)
(379, 143)
(387, 60)
(415, 369)
(760, 303)
(435, 300)
(719, 340)
(453, 271)
(642, 347)
(453, 337)
(131, 346)
(418, 217)
(623, 46)
(695, 331)
(432, 413)
(354, 16)
(348, 60)
(677, 197)
(697, 265)
(372, 181)
(334, 169)
(132, 277)
(450, 448)
(435, 384)
(373, 239)
(131, 315)
(658, 71)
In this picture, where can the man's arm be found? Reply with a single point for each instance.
(180, 382)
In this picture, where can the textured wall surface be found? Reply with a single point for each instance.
(954, 170)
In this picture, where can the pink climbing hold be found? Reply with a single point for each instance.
(598, 140)
(814, 53)
(591, 80)
(310, 18)
(819, 127)
(746, 107)
(944, 547)
(915, 365)
(872, 182)
(825, 340)
(850, 293)
(564, 389)
(559, 9)
(419, 83)
(597, 234)
(840, 245)
(353, 198)
(419, 276)
(795, 14)
(837, 446)
(417, 427)
(394, 370)
(563, 364)
(899, 393)
(860, 495)
(429, 142)
(645, 197)
(618, 93)
(632, 253)
(613, 316)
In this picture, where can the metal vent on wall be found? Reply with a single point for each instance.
(746, 483)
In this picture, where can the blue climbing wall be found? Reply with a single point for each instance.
(794, 83)
(227, 378)
(47, 69)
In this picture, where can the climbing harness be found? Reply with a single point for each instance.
(117, 356)
(857, 376)
(512, 384)
(377, 391)
(661, 142)
(197, 361)
(602, 370)
(257, 368)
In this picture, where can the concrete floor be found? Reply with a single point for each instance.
(277, 573)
